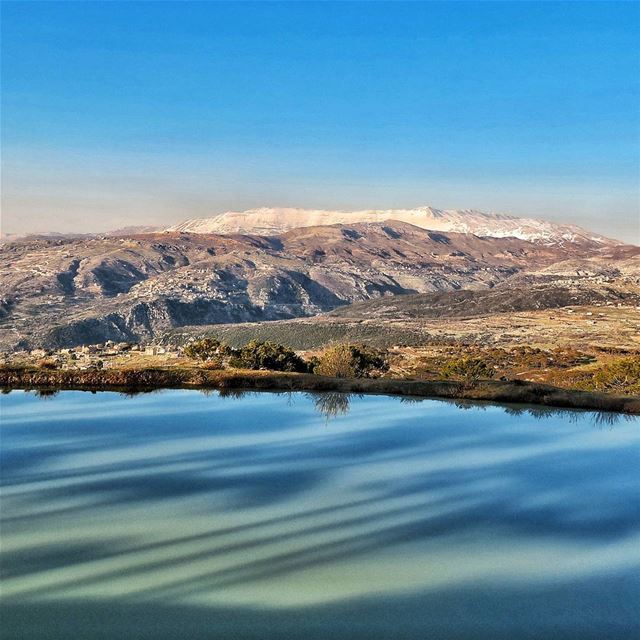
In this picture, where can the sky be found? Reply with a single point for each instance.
(117, 114)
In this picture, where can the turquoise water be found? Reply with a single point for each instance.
(183, 515)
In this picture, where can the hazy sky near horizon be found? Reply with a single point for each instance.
(117, 114)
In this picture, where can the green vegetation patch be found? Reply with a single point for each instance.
(621, 376)
(304, 336)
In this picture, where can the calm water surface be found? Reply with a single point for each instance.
(184, 515)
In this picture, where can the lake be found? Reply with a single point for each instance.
(178, 514)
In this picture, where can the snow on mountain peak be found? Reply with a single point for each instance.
(274, 220)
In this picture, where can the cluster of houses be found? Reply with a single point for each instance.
(92, 356)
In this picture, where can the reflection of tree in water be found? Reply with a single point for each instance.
(136, 391)
(598, 418)
(515, 411)
(46, 393)
(236, 394)
(544, 413)
(331, 404)
(469, 404)
(608, 419)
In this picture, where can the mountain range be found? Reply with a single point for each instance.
(273, 221)
(64, 291)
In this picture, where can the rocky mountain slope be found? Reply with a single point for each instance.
(62, 292)
(273, 221)
(525, 293)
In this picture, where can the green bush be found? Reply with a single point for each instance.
(351, 361)
(267, 355)
(620, 376)
(206, 349)
(467, 369)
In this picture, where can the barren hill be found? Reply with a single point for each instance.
(71, 291)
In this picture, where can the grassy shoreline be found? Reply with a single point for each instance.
(145, 379)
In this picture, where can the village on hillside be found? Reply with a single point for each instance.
(94, 356)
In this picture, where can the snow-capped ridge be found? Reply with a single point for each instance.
(275, 220)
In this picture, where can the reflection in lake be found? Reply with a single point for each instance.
(331, 404)
(183, 515)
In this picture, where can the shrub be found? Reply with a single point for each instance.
(206, 349)
(47, 364)
(351, 361)
(620, 376)
(213, 364)
(268, 355)
(467, 369)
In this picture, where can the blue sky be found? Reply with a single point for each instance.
(142, 113)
